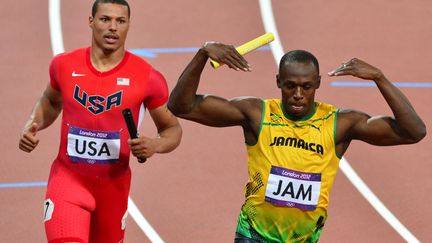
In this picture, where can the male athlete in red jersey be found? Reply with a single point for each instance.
(87, 194)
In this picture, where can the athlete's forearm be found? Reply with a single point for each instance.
(44, 112)
(182, 98)
(169, 139)
(406, 118)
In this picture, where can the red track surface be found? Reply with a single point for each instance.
(195, 193)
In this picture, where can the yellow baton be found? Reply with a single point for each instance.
(249, 46)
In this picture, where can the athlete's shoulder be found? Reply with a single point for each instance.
(325, 106)
(325, 111)
(272, 100)
(138, 63)
(272, 103)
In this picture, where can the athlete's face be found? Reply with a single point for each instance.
(110, 26)
(298, 82)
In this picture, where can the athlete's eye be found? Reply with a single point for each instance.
(289, 86)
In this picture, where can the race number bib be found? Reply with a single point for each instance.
(93, 147)
(290, 188)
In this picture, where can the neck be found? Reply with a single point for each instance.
(103, 60)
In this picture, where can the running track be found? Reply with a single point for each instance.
(194, 194)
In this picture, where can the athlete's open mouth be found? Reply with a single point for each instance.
(111, 38)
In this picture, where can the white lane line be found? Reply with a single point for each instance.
(367, 193)
(143, 223)
(55, 27)
(57, 48)
(270, 26)
(353, 177)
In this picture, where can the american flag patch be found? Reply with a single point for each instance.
(123, 81)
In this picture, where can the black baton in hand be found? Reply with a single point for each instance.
(133, 133)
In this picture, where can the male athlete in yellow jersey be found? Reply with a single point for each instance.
(294, 143)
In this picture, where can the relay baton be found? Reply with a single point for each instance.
(249, 46)
(133, 133)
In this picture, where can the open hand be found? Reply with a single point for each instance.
(357, 68)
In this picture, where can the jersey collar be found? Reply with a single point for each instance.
(109, 72)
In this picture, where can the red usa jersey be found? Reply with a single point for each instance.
(93, 132)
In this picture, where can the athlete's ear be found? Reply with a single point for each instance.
(91, 19)
(278, 81)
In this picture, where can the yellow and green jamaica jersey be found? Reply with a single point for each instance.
(291, 172)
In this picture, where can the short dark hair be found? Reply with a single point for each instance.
(300, 56)
(120, 2)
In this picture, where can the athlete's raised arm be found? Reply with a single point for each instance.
(404, 128)
(208, 109)
(44, 113)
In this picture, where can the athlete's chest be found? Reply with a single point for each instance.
(98, 92)
(279, 133)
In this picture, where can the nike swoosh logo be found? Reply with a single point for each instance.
(74, 74)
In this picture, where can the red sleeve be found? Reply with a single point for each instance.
(159, 90)
(54, 73)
